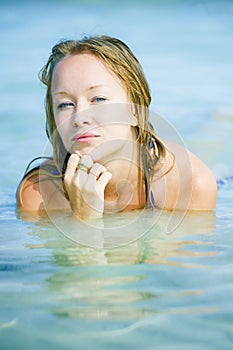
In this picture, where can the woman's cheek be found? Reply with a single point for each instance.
(64, 132)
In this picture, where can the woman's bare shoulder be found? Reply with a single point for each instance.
(189, 181)
(39, 191)
(28, 195)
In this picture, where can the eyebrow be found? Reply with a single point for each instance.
(90, 88)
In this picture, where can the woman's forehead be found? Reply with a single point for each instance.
(84, 68)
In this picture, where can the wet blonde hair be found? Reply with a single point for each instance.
(117, 56)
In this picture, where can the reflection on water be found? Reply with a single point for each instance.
(115, 284)
(152, 246)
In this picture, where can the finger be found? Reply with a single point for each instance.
(87, 161)
(96, 171)
(85, 164)
(78, 153)
(71, 167)
(104, 179)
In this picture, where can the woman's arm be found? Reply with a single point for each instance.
(28, 195)
(40, 192)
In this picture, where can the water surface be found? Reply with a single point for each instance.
(163, 291)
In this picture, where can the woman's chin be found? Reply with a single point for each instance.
(95, 155)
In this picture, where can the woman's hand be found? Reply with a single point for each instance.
(85, 183)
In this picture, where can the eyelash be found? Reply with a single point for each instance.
(65, 105)
(97, 99)
(100, 98)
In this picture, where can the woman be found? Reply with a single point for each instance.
(106, 154)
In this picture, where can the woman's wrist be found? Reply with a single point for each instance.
(87, 214)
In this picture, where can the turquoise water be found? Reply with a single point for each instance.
(163, 291)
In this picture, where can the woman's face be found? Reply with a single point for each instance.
(91, 108)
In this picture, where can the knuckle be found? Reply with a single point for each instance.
(73, 157)
(87, 160)
(99, 167)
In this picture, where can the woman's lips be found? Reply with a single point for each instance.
(84, 138)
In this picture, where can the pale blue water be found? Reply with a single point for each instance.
(165, 291)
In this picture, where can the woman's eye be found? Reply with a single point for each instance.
(99, 99)
(64, 105)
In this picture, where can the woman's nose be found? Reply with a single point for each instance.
(82, 116)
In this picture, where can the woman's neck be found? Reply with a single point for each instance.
(122, 191)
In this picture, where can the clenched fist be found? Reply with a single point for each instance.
(85, 183)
